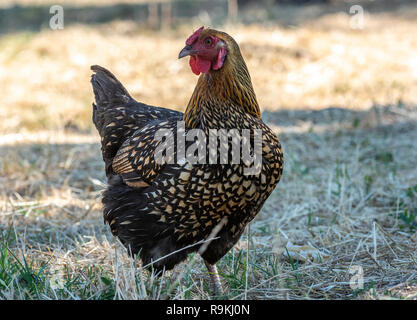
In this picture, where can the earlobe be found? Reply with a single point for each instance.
(220, 58)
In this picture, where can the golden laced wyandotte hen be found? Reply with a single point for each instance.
(162, 205)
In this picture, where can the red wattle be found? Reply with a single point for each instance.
(199, 65)
(203, 65)
(193, 65)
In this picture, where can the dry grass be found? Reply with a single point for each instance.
(349, 188)
(307, 67)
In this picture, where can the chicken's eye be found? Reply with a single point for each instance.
(208, 42)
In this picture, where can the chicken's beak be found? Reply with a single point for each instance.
(188, 50)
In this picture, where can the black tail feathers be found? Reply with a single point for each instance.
(108, 91)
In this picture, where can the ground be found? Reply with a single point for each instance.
(343, 102)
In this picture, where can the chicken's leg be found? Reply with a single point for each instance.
(215, 279)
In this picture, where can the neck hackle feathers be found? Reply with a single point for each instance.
(223, 87)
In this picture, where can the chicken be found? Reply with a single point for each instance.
(163, 205)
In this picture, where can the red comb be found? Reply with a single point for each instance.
(191, 39)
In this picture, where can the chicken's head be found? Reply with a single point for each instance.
(207, 50)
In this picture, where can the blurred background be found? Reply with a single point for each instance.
(336, 79)
(301, 54)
